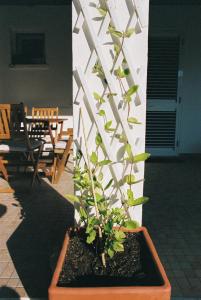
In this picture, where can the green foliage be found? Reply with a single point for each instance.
(98, 140)
(72, 198)
(108, 127)
(122, 73)
(97, 97)
(94, 206)
(94, 158)
(98, 70)
(102, 11)
(101, 113)
(133, 120)
(131, 224)
(129, 32)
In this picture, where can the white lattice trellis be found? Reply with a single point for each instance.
(92, 44)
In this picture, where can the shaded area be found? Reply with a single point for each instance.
(34, 245)
(3, 210)
(173, 218)
(7, 292)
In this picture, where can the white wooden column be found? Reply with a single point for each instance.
(92, 44)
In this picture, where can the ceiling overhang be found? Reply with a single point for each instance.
(35, 2)
(175, 2)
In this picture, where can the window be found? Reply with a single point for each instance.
(28, 49)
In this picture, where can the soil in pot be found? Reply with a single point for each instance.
(133, 267)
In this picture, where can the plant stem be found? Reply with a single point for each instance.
(117, 56)
(93, 189)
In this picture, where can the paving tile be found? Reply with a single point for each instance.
(8, 271)
(21, 291)
(2, 267)
(13, 282)
(3, 281)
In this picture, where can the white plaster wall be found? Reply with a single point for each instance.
(185, 21)
(50, 86)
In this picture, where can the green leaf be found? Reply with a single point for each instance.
(82, 213)
(119, 235)
(108, 126)
(122, 138)
(117, 49)
(114, 32)
(129, 179)
(128, 149)
(102, 11)
(90, 201)
(110, 252)
(132, 90)
(98, 139)
(127, 98)
(99, 197)
(104, 162)
(141, 157)
(94, 158)
(98, 98)
(101, 113)
(72, 198)
(138, 201)
(91, 237)
(100, 176)
(111, 95)
(131, 224)
(118, 247)
(108, 226)
(133, 120)
(126, 72)
(109, 184)
(129, 32)
(121, 73)
(130, 196)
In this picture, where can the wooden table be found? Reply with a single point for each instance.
(58, 163)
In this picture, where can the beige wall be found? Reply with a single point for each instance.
(49, 86)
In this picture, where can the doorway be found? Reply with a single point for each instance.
(162, 96)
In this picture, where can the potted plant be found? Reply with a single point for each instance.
(108, 254)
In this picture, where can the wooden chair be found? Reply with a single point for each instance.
(4, 135)
(15, 139)
(62, 152)
(47, 113)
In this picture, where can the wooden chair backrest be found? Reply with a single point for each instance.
(45, 112)
(18, 124)
(5, 112)
(69, 132)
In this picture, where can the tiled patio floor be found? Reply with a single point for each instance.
(173, 217)
(32, 226)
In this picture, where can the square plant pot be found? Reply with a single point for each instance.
(159, 289)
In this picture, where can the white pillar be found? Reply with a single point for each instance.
(92, 44)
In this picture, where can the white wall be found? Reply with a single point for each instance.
(49, 86)
(185, 21)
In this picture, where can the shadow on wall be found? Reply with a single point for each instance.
(35, 244)
(7, 292)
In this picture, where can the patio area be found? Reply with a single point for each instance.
(32, 226)
(173, 217)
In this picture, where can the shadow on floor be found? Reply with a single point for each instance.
(3, 210)
(34, 245)
(7, 292)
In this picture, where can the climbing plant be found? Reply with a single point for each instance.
(96, 194)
